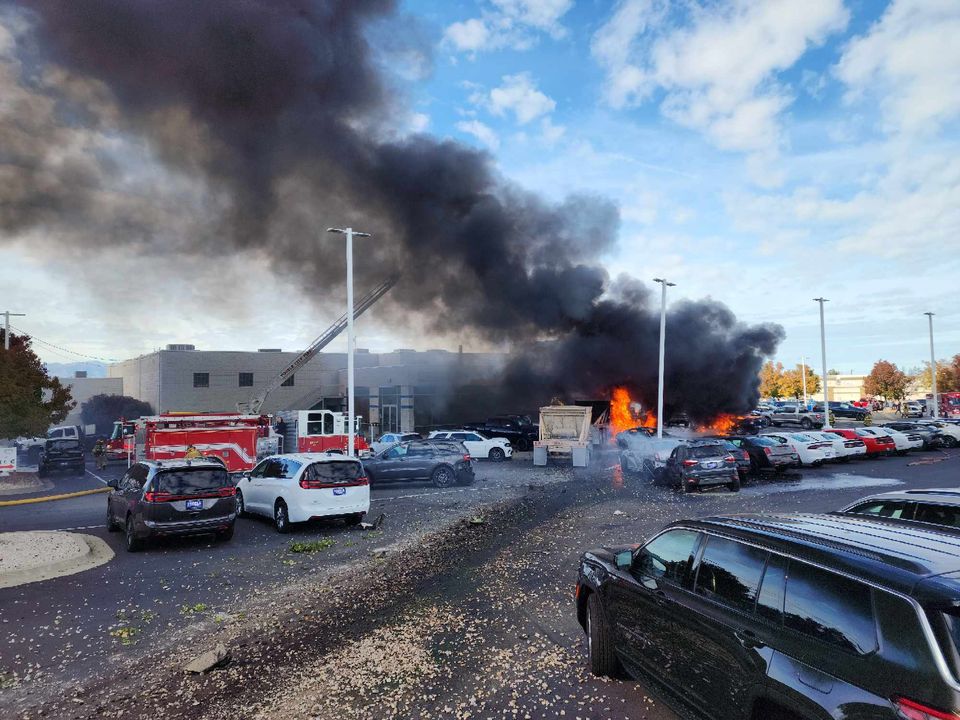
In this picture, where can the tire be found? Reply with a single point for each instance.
(134, 544)
(111, 523)
(523, 444)
(734, 486)
(806, 423)
(688, 488)
(241, 511)
(281, 517)
(949, 441)
(353, 520)
(225, 535)
(443, 476)
(497, 454)
(603, 660)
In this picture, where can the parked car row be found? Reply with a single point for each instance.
(799, 616)
(199, 497)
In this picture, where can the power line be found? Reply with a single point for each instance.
(63, 349)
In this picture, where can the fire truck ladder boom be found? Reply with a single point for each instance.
(359, 307)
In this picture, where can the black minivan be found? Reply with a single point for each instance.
(783, 617)
(176, 497)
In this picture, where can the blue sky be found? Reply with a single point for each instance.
(761, 153)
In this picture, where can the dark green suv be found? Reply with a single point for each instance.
(783, 617)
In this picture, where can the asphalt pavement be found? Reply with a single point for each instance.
(492, 634)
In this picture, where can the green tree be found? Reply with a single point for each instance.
(30, 399)
(771, 380)
(886, 380)
(102, 410)
(793, 382)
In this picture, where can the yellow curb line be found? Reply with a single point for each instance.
(48, 498)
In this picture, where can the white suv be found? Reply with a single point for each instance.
(479, 446)
(303, 486)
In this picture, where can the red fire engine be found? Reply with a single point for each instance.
(949, 404)
(116, 447)
(325, 431)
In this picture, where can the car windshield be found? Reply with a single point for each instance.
(706, 451)
(336, 472)
(191, 481)
(803, 438)
(764, 442)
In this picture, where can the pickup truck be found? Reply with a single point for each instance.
(62, 453)
(516, 428)
(804, 418)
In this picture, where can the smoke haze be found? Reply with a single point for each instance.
(272, 119)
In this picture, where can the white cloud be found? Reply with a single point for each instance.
(483, 133)
(550, 133)
(508, 23)
(718, 68)
(911, 59)
(418, 122)
(518, 94)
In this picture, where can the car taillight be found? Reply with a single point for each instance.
(152, 497)
(912, 710)
(730, 459)
(466, 458)
(767, 452)
(690, 463)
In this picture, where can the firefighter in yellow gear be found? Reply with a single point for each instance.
(192, 453)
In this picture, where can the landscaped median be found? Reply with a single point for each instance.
(36, 555)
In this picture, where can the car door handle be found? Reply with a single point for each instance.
(660, 597)
(748, 639)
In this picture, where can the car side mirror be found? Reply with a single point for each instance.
(624, 560)
(114, 483)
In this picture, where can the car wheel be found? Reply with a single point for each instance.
(111, 523)
(281, 517)
(603, 659)
(353, 519)
(734, 486)
(241, 508)
(949, 441)
(523, 444)
(806, 423)
(443, 477)
(497, 454)
(225, 535)
(134, 544)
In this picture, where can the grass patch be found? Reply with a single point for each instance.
(311, 546)
(195, 609)
(126, 634)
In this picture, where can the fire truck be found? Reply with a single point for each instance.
(949, 404)
(116, 445)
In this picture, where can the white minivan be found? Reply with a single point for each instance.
(299, 487)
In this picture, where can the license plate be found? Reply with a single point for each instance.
(339, 491)
(194, 504)
(710, 464)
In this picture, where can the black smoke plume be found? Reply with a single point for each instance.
(287, 114)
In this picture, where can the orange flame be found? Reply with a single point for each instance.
(621, 415)
(723, 424)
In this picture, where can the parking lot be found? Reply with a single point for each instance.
(507, 590)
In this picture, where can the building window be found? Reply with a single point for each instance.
(288, 382)
(246, 379)
(201, 379)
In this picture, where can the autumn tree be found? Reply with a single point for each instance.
(792, 383)
(771, 380)
(947, 378)
(102, 410)
(886, 380)
(30, 399)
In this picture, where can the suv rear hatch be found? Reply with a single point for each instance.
(189, 494)
(708, 461)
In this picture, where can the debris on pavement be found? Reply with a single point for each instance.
(209, 660)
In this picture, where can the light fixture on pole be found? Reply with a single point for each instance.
(823, 351)
(803, 376)
(933, 369)
(6, 329)
(351, 419)
(663, 336)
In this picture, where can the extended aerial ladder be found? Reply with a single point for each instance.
(359, 307)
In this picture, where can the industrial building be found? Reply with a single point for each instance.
(403, 390)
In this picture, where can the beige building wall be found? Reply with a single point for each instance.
(84, 388)
(845, 388)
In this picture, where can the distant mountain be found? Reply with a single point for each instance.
(94, 369)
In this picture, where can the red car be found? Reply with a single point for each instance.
(876, 445)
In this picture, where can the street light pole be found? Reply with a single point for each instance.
(6, 327)
(933, 369)
(663, 337)
(823, 350)
(351, 419)
(803, 376)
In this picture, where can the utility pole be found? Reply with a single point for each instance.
(6, 326)
(663, 337)
(823, 351)
(351, 421)
(933, 369)
(803, 375)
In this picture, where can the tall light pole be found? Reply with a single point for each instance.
(663, 338)
(803, 376)
(933, 369)
(823, 350)
(6, 327)
(351, 421)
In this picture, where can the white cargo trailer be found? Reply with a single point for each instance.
(564, 431)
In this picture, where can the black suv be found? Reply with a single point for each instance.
(934, 506)
(698, 464)
(783, 617)
(177, 497)
(60, 454)
(443, 462)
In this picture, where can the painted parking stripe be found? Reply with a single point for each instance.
(98, 477)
